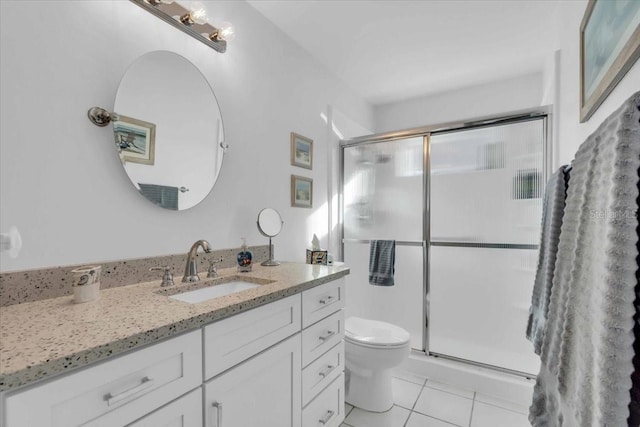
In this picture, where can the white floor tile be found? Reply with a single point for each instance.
(450, 389)
(347, 408)
(502, 403)
(444, 406)
(491, 416)
(419, 420)
(409, 376)
(395, 417)
(405, 393)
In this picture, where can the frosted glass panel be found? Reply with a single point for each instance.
(486, 188)
(400, 304)
(480, 303)
(383, 190)
(486, 184)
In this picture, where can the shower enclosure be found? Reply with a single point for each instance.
(464, 206)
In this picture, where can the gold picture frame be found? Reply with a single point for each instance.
(301, 151)
(301, 191)
(609, 46)
(135, 139)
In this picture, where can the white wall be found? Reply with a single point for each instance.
(558, 83)
(61, 182)
(465, 103)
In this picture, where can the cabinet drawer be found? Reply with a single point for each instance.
(115, 392)
(326, 410)
(230, 341)
(322, 336)
(321, 372)
(184, 412)
(321, 301)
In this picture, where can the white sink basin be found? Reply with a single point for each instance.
(211, 292)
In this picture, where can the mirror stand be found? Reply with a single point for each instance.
(270, 224)
(270, 262)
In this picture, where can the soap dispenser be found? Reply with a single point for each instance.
(245, 257)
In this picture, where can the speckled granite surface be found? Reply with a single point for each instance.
(34, 285)
(43, 338)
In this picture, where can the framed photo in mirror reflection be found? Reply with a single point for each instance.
(301, 151)
(135, 139)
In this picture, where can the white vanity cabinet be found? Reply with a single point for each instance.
(277, 365)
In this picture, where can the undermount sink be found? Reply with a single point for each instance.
(209, 289)
(204, 294)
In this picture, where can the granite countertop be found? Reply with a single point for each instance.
(48, 337)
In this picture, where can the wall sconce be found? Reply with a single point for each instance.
(191, 20)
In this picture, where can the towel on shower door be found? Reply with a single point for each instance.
(382, 258)
(552, 211)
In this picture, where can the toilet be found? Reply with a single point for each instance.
(372, 350)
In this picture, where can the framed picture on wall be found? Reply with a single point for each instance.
(301, 192)
(609, 46)
(301, 151)
(135, 139)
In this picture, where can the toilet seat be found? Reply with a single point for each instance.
(375, 334)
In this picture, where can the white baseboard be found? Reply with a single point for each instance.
(504, 386)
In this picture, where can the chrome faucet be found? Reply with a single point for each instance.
(191, 269)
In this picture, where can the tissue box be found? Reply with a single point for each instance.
(316, 257)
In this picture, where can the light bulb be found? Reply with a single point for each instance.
(227, 31)
(198, 12)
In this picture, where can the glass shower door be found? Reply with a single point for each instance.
(383, 200)
(485, 208)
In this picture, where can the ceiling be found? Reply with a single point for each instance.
(394, 50)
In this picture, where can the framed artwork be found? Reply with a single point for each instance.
(301, 151)
(609, 46)
(135, 139)
(301, 191)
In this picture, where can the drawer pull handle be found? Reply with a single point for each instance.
(326, 336)
(218, 407)
(326, 417)
(112, 399)
(326, 371)
(326, 300)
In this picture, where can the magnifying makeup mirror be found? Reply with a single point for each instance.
(270, 225)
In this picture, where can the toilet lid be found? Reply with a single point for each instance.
(374, 332)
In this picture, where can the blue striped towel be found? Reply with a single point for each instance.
(382, 258)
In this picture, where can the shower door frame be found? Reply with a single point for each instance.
(543, 112)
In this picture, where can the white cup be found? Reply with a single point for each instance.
(86, 283)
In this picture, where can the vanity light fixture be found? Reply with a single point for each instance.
(191, 20)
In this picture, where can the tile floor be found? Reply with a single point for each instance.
(420, 402)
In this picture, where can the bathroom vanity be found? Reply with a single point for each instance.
(272, 355)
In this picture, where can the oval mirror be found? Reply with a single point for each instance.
(270, 225)
(168, 130)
